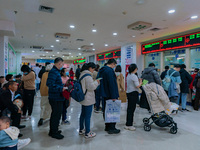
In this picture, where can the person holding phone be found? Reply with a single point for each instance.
(133, 85)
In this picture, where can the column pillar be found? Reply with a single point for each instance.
(161, 62)
(187, 58)
(19, 62)
(3, 55)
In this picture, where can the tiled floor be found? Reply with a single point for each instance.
(187, 138)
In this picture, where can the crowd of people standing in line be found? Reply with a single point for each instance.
(98, 85)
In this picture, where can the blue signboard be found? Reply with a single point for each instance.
(45, 60)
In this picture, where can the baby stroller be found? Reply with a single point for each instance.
(161, 107)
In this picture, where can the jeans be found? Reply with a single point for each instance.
(57, 107)
(183, 97)
(28, 101)
(37, 86)
(86, 113)
(64, 112)
(133, 97)
(99, 99)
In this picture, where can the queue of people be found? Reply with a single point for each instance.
(98, 85)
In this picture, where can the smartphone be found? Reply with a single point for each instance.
(99, 78)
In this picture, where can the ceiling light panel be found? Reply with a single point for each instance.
(171, 11)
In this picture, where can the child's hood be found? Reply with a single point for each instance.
(13, 132)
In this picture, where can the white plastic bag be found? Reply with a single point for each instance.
(112, 112)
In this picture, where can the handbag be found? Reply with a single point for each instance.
(112, 111)
(122, 96)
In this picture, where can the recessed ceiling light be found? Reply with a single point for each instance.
(93, 49)
(63, 56)
(53, 55)
(94, 30)
(79, 53)
(72, 26)
(91, 43)
(72, 56)
(57, 40)
(58, 52)
(133, 36)
(106, 44)
(194, 17)
(43, 54)
(33, 51)
(171, 11)
(115, 33)
(79, 48)
(47, 52)
(52, 46)
(70, 53)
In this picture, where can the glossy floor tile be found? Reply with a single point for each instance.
(187, 138)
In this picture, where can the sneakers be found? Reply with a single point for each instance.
(40, 122)
(131, 128)
(81, 132)
(186, 110)
(66, 122)
(23, 143)
(97, 111)
(90, 135)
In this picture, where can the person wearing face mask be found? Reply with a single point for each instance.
(109, 90)
(29, 91)
(120, 83)
(56, 99)
(44, 103)
(66, 104)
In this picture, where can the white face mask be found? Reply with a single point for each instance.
(117, 73)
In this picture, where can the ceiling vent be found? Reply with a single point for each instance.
(65, 54)
(42, 56)
(87, 51)
(62, 35)
(37, 47)
(48, 50)
(140, 25)
(86, 47)
(65, 49)
(46, 9)
(80, 40)
(155, 29)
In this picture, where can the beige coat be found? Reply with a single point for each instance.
(91, 85)
(43, 86)
(121, 88)
(29, 81)
(157, 97)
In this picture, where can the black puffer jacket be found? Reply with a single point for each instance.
(151, 75)
(186, 80)
(196, 80)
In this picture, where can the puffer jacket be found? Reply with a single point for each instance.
(151, 75)
(157, 97)
(90, 85)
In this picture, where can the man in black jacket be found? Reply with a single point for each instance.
(109, 90)
(6, 101)
(163, 74)
(78, 72)
(43, 70)
(186, 80)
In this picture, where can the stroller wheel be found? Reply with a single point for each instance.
(147, 127)
(173, 130)
(146, 120)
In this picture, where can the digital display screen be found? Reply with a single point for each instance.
(173, 43)
(100, 57)
(109, 55)
(117, 54)
(79, 61)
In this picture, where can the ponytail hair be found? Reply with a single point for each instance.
(86, 66)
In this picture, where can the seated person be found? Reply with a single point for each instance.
(6, 100)
(9, 77)
(9, 136)
(2, 80)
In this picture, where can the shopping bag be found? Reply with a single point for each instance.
(112, 112)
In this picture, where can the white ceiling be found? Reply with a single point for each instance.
(105, 14)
